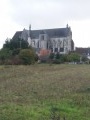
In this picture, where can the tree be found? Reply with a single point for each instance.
(15, 44)
(73, 57)
(84, 58)
(5, 54)
(17, 52)
(57, 56)
(51, 56)
(27, 56)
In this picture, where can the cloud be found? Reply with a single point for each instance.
(17, 14)
(24, 11)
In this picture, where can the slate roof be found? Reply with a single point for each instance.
(17, 35)
(52, 33)
(83, 51)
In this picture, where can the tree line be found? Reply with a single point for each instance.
(18, 52)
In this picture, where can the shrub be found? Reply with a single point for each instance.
(57, 61)
(51, 56)
(73, 57)
(16, 51)
(16, 60)
(4, 55)
(27, 56)
(36, 57)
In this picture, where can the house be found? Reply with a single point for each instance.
(56, 40)
(83, 51)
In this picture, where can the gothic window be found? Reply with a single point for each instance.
(54, 43)
(61, 49)
(62, 43)
(56, 49)
(59, 43)
(65, 42)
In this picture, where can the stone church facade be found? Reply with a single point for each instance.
(56, 40)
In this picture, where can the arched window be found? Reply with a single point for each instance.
(54, 43)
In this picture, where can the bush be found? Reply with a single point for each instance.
(27, 56)
(56, 61)
(56, 58)
(44, 58)
(51, 56)
(5, 54)
(16, 60)
(16, 51)
(36, 57)
(73, 57)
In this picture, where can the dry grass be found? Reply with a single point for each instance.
(61, 85)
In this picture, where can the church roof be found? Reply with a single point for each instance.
(52, 33)
(17, 35)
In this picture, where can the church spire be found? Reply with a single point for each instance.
(29, 32)
(67, 25)
(29, 35)
(30, 27)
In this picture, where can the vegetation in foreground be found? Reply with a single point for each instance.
(45, 92)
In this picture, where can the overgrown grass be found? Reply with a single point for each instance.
(41, 91)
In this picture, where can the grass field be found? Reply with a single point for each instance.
(42, 92)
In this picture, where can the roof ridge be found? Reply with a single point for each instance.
(47, 29)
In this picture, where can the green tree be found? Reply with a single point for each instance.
(51, 56)
(15, 44)
(73, 57)
(84, 58)
(27, 56)
(63, 58)
(16, 51)
(57, 56)
(5, 53)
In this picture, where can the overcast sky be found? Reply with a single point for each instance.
(15, 15)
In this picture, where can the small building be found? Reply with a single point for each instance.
(85, 52)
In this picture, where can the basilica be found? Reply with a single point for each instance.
(56, 39)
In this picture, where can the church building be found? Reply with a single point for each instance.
(56, 40)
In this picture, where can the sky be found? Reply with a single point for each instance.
(15, 15)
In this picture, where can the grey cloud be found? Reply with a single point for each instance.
(48, 12)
